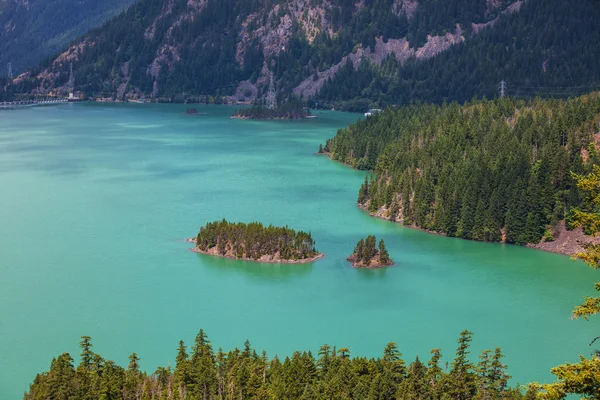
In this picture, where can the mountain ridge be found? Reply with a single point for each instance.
(342, 54)
(297, 39)
(34, 29)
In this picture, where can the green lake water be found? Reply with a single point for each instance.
(96, 200)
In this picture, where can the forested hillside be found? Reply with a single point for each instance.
(547, 48)
(203, 373)
(31, 30)
(489, 170)
(342, 52)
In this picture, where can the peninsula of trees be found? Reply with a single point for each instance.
(367, 254)
(256, 242)
(289, 110)
(487, 170)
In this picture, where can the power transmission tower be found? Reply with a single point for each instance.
(155, 89)
(272, 95)
(10, 73)
(502, 88)
(71, 78)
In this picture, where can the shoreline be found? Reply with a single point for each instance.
(351, 259)
(379, 266)
(261, 260)
(563, 245)
(553, 247)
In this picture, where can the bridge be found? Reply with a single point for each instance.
(32, 103)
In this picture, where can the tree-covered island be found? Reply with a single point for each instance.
(289, 110)
(367, 254)
(255, 242)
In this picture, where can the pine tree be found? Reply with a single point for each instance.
(461, 379)
(133, 363)
(87, 355)
(384, 256)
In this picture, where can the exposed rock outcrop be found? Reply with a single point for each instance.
(513, 8)
(405, 7)
(399, 47)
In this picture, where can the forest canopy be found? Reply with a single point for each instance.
(255, 240)
(487, 170)
(202, 373)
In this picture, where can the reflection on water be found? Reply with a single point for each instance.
(374, 273)
(256, 270)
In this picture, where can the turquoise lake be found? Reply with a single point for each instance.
(97, 199)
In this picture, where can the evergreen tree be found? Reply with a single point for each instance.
(461, 379)
(384, 256)
(245, 374)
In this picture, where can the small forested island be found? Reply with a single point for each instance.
(368, 255)
(290, 110)
(255, 242)
(193, 111)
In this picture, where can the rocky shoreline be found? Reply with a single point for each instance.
(374, 264)
(567, 243)
(267, 259)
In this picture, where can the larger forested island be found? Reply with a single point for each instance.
(290, 110)
(256, 242)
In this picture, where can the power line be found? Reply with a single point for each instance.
(557, 87)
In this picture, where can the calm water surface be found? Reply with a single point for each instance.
(96, 199)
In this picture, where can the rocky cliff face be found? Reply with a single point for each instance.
(205, 47)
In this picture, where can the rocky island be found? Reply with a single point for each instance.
(255, 242)
(193, 111)
(368, 255)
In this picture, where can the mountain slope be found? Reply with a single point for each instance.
(227, 47)
(546, 48)
(382, 51)
(31, 30)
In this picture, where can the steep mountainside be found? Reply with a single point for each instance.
(227, 47)
(489, 170)
(382, 51)
(547, 48)
(31, 30)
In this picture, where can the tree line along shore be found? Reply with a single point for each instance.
(491, 170)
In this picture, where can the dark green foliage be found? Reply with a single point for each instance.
(384, 256)
(188, 54)
(245, 374)
(488, 170)
(544, 45)
(367, 251)
(288, 110)
(255, 240)
(36, 29)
